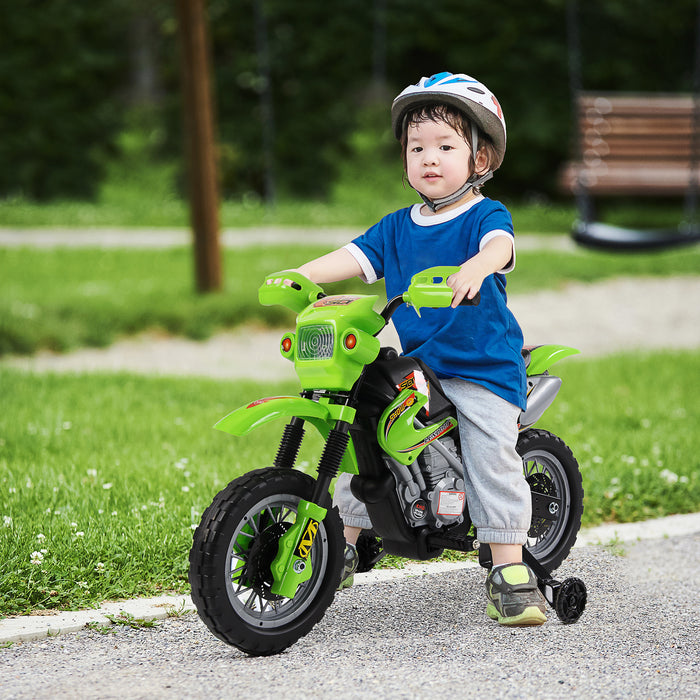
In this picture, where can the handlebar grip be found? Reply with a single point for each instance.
(471, 302)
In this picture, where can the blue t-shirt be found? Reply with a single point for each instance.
(481, 344)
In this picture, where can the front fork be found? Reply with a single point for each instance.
(292, 565)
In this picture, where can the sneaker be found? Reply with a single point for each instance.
(351, 560)
(514, 598)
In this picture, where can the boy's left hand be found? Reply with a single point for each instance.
(494, 256)
(467, 282)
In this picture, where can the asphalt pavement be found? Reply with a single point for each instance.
(414, 634)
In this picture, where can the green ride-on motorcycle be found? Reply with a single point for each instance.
(267, 557)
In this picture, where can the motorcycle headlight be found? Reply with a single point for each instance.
(315, 342)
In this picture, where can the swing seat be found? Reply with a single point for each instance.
(593, 234)
(634, 145)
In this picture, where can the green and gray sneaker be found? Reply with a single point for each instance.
(351, 560)
(514, 598)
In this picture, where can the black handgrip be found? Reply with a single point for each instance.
(471, 302)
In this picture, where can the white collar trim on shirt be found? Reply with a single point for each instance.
(432, 220)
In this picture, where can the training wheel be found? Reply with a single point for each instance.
(571, 600)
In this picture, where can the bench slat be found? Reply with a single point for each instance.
(634, 144)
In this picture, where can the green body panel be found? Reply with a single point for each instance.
(429, 288)
(292, 566)
(544, 356)
(276, 291)
(396, 432)
(321, 415)
(338, 317)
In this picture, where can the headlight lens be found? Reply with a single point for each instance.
(315, 342)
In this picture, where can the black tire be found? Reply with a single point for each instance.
(230, 559)
(571, 600)
(555, 482)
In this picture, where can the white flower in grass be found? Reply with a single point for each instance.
(7, 521)
(36, 558)
(668, 476)
(92, 473)
(79, 534)
(99, 567)
(40, 537)
(185, 489)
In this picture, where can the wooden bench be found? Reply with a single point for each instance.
(641, 144)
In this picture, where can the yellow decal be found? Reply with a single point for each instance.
(307, 539)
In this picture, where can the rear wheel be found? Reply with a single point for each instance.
(553, 474)
(230, 560)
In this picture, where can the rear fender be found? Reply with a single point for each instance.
(543, 357)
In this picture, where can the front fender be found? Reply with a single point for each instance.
(245, 419)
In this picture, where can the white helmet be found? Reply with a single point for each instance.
(465, 93)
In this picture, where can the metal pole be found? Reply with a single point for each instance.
(199, 141)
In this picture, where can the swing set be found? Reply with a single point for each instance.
(632, 144)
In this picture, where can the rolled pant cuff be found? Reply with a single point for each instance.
(356, 521)
(491, 536)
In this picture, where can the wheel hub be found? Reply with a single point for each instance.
(260, 557)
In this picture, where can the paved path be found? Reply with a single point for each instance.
(411, 637)
(53, 237)
(619, 315)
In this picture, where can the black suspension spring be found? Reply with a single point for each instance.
(290, 443)
(333, 452)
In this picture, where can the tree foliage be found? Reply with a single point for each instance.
(61, 65)
(295, 81)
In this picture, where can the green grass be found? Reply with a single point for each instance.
(104, 476)
(65, 298)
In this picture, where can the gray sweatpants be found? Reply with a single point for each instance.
(498, 496)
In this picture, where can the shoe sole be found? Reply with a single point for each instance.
(347, 583)
(529, 617)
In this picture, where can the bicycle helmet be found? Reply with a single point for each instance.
(465, 93)
(470, 97)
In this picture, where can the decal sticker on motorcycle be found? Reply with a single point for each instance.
(450, 503)
(419, 509)
(416, 380)
(307, 539)
(438, 432)
(396, 413)
(334, 301)
(269, 398)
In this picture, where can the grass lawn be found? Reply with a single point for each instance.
(64, 298)
(102, 477)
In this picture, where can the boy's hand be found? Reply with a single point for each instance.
(467, 282)
(494, 256)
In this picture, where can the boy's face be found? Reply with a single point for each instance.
(437, 159)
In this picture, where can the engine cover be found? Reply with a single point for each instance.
(435, 494)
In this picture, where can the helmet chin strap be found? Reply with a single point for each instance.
(474, 181)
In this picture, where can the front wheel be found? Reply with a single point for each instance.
(553, 474)
(230, 559)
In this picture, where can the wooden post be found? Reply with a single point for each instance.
(199, 141)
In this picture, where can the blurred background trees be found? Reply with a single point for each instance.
(303, 89)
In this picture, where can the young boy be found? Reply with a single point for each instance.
(453, 137)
